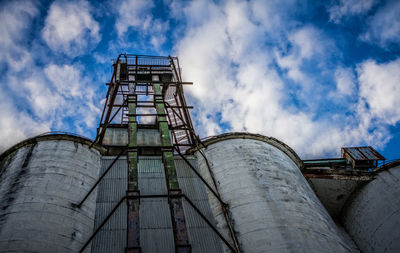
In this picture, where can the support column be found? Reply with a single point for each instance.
(133, 229)
(175, 198)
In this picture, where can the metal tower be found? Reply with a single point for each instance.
(145, 113)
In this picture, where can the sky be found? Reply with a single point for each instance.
(317, 75)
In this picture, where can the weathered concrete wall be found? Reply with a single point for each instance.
(333, 193)
(38, 184)
(272, 207)
(372, 216)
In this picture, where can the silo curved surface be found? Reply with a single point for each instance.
(372, 215)
(40, 181)
(271, 205)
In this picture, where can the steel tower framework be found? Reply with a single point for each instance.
(145, 113)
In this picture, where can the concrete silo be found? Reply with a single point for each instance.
(272, 207)
(372, 213)
(41, 178)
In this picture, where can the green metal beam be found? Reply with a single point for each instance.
(133, 230)
(168, 155)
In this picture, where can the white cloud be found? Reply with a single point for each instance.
(50, 96)
(272, 15)
(346, 8)
(55, 97)
(70, 27)
(384, 26)
(66, 79)
(230, 57)
(380, 89)
(75, 91)
(249, 95)
(345, 81)
(136, 14)
(43, 101)
(37, 99)
(306, 42)
(15, 20)
(133, 13)
(17, 125)
(15, 17)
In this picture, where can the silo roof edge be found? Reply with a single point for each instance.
(243, 135)
(63, 136)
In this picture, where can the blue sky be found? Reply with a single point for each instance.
(317, 75)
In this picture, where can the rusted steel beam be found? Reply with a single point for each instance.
(107, 96)
(113, 95)
(179, 224)
(133, 229)
(103, 129)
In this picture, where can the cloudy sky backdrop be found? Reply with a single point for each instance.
(317, 75)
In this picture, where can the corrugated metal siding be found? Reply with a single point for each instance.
(155, 221)
(201, 236)
(156, 233)
(112, 237)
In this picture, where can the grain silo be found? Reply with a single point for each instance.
(40, 179)
(147, 183)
